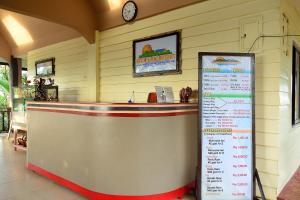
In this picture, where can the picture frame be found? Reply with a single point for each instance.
(157, 55)
(52, 92)
(45, 67)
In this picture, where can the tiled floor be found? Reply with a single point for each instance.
(18, 183)
(291, 190)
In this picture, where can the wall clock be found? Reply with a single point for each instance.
(129, 11)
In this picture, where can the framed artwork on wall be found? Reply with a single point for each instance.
(157, 55)
(45, 67)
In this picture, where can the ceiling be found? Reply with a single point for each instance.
(86, 16)
(297, 5)
(108, 18)
(52, 21)
(43, 32)
(77, 14)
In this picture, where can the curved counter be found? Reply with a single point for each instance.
(115, 151)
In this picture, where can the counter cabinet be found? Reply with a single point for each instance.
(115, 151)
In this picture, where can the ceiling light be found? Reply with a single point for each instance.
(114, 4)
(20, 34)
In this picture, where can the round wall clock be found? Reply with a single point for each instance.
(129, 11)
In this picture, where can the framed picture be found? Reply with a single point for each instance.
(45, 67)
(157, 55)
(52, 93)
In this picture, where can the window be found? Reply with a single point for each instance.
(296, 86)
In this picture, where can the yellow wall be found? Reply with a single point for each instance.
(289, 136)
(213, 26)
(75, 68)
(209, 26)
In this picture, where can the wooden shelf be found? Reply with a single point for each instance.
(18, 127)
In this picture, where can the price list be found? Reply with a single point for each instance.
(226, 128)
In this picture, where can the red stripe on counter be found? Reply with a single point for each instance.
(113, 104)
(100, 196)
(116, 114)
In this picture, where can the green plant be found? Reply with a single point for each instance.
(3, 102)
(4, 87)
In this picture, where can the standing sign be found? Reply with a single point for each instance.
(226, 126)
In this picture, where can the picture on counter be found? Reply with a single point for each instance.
(157, 55)
(52, 93)
(45, 67)
(164, 94)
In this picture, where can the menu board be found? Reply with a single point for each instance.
(226, 90)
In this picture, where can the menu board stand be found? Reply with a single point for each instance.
(226, 127)
(260, 187)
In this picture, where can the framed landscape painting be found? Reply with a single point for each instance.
(157, 55)
(45, 67)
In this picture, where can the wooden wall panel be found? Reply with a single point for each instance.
(71, 68)
(289, 152)
(209, 26)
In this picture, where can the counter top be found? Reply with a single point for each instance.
(115, 109)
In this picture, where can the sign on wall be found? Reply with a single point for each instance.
(226, 126)
(157, 55)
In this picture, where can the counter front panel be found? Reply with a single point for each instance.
(111, 151)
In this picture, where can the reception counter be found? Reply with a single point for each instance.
(115, 151)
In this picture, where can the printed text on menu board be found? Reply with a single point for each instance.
(226, 170)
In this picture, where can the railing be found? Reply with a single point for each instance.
(4, 119)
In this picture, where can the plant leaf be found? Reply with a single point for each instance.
(4, 85)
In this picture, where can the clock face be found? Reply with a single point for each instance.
(129, 11)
